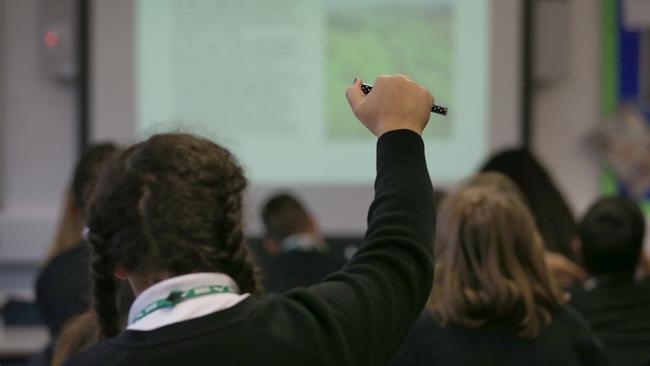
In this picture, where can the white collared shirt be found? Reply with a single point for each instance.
(304, 242)
(188, 309)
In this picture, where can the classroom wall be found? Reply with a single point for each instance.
(564, 111)
(38, 146)
(2, 99)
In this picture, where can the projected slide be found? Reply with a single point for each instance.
(267, 79)
(414, 38)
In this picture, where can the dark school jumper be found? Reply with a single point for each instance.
(358, 316)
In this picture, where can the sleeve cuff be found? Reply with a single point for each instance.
(400, 141)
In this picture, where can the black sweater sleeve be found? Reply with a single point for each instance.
(357, 316)
(589, 349)
(365, 310)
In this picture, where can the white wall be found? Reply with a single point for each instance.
(37, 126)
(505, 73)
(113, 70)
(2, 99)
(38, 147)
(564, 111)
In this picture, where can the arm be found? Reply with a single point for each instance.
(587, 346)
(365, 310)
(565, 271)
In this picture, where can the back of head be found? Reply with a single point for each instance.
(87, 169)
(168, 206)
(497, 181)
(284, 215)
(611, 233)
(550, 210)
(489, 262)
(85, 174)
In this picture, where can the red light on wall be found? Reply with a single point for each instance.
(51, 39)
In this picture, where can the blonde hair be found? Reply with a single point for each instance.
(496, 181)
(78, 334)
(489, 260)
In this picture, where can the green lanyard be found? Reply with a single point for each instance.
(176, 297)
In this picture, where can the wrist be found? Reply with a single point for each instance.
(399, 125)
(396, 142)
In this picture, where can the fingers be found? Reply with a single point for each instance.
(560, 265)
(405, 79)
(573, 270)
(355, 96)
(645, 263)
(396, 102)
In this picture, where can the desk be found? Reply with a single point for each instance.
(22, 342)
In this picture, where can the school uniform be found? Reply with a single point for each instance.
(618, 310)
(615, 305)
(63, 287)
(566, 340)
(304, 260)
(358, 316)
(63, 291)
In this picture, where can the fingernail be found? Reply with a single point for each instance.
(355, 81)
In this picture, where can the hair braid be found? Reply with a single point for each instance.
(104, 288)
(235, 258)
(168, 206)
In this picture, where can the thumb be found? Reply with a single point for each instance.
(355, 95)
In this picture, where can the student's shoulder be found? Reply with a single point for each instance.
(103, 353)
(298, 301)
(77, 360)
(646, 363)
(643, 283)
(76, 258)
(297, 311)
(427, 322)
(569, 316)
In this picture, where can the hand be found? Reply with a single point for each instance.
(395, 102)
(565, 272)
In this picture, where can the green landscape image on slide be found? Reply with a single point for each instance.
(413, 40)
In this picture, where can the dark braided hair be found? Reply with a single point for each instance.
(168, 206)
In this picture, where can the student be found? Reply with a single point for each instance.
(167, 216)
(493, 300)
(615, 304)
(551, 213)
(63, 284)
(82, 331)
(298, 255)
(565, 271)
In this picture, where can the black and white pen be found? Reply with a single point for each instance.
(438, 109)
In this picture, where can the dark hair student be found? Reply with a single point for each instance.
(284, 215)
(615, 303)
(69, 255)
(551, 212)
(167, 216)
(297, 253)
(611, 237)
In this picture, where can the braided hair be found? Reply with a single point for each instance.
(170, 205)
